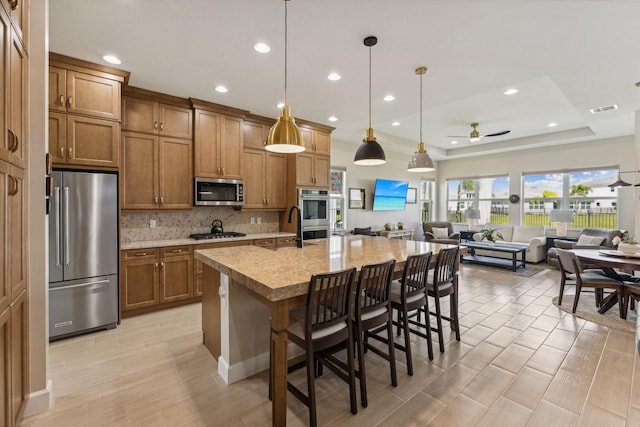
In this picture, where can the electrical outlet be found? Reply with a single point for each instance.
(253, 220)
(152, 223)
(259, 220)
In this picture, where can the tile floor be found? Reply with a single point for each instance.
(521, 361)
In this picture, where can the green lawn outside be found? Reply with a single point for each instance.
(600, 220)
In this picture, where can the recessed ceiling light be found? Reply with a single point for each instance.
(389, 98)
(262, 47)
(334, 76)
(112, 59)
(333, 119)
(552, 124)
(511, 91)
(395, 124)
(221, 89)
(454, 142)
(280, 105)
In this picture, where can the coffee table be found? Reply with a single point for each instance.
(512, 264)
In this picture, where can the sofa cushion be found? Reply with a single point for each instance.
(526, 233)
(505, 230)
(440, 233)
(586, 240)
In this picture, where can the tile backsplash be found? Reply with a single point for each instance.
(135, 226)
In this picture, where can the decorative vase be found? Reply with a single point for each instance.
(629, 248)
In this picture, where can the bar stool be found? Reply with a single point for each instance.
(442, 283)
(321, 325)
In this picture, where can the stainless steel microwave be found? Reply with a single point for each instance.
(218, 192)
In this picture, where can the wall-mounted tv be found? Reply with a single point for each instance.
(390, 195)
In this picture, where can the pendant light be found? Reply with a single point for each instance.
(284, 136)
(619, 183)
(420, 161)
(370, 153)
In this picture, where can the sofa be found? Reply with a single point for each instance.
(588, 238)
(530, 237)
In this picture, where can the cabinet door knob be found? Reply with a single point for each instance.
(62, 152)
(13, 141)
(176, 251)
(141, 254)
(70, 101)
(62, 100)
(222, 171)
(70, 153)
(155, 125)
(156, 265)
(162, 266)
(13, 4)
(156, 199)
(161, 126)
(162, 200)
(13, 187)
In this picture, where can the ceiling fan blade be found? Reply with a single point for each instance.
(504, 132)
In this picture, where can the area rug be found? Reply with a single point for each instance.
(520, 271)
(587, 310)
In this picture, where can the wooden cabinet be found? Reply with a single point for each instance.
(316, 141)
(18, 10)
(218, 141)
(312, 170)
(264, 187)
(198, 267)
(84, 141)
(256, 133)
(148, 116)
(275, 242)
(83, 93)
(154, 278)
(156, 173)
(84, 113)
(14, 148)
(18, 360)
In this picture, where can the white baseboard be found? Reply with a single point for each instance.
(40, 401)
(243, 369)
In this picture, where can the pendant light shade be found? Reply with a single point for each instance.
(284, 136)
(420, 161)
(619, 183)
(370, 152)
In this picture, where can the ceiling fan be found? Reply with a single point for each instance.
(475, 136)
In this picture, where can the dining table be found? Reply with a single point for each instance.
(615, 264)
(250, 287)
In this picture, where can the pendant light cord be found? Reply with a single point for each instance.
(369, 87)
(421, 107)
(285, 52)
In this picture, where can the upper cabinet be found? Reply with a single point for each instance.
(316, 141)
(312, 167)
(218, 141)
(160, 118)
(84, 113)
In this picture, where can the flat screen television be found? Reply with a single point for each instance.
(390, 195)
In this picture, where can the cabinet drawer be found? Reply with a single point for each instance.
(265, 243)
(134, 254)
(176, 251)
(285, 241)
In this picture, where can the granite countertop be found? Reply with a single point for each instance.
(143, 244)
(285, 273)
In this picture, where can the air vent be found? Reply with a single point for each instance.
(603, 109)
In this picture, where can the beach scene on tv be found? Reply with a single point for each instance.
(390, 195)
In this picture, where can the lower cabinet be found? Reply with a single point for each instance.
(155, 278)
(13, 360)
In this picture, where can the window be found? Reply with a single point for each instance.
(585, 192)
(337, 193)
(490, 195)
(427, 194)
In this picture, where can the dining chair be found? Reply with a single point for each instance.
(322, 324)
(570, 265)
(441, 283)
(407, 295)
(372, 309)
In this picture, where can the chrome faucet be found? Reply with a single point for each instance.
(299, 227)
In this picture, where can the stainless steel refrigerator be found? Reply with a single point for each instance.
(83, 253)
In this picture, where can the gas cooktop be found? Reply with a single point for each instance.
(206, 236)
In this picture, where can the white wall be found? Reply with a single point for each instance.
(615, 153)
(365, 177)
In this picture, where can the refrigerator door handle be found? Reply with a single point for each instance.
(56, 210)
(80, 285)
(66, 225)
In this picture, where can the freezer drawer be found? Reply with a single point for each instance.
(83, 305)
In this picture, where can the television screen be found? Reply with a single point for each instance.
(390, 195)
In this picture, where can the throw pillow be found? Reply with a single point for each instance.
(589, 240)
(440, 233)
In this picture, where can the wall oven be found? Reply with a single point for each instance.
(218, 192)
(314, 210)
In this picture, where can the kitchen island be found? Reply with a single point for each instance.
(247, 289)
